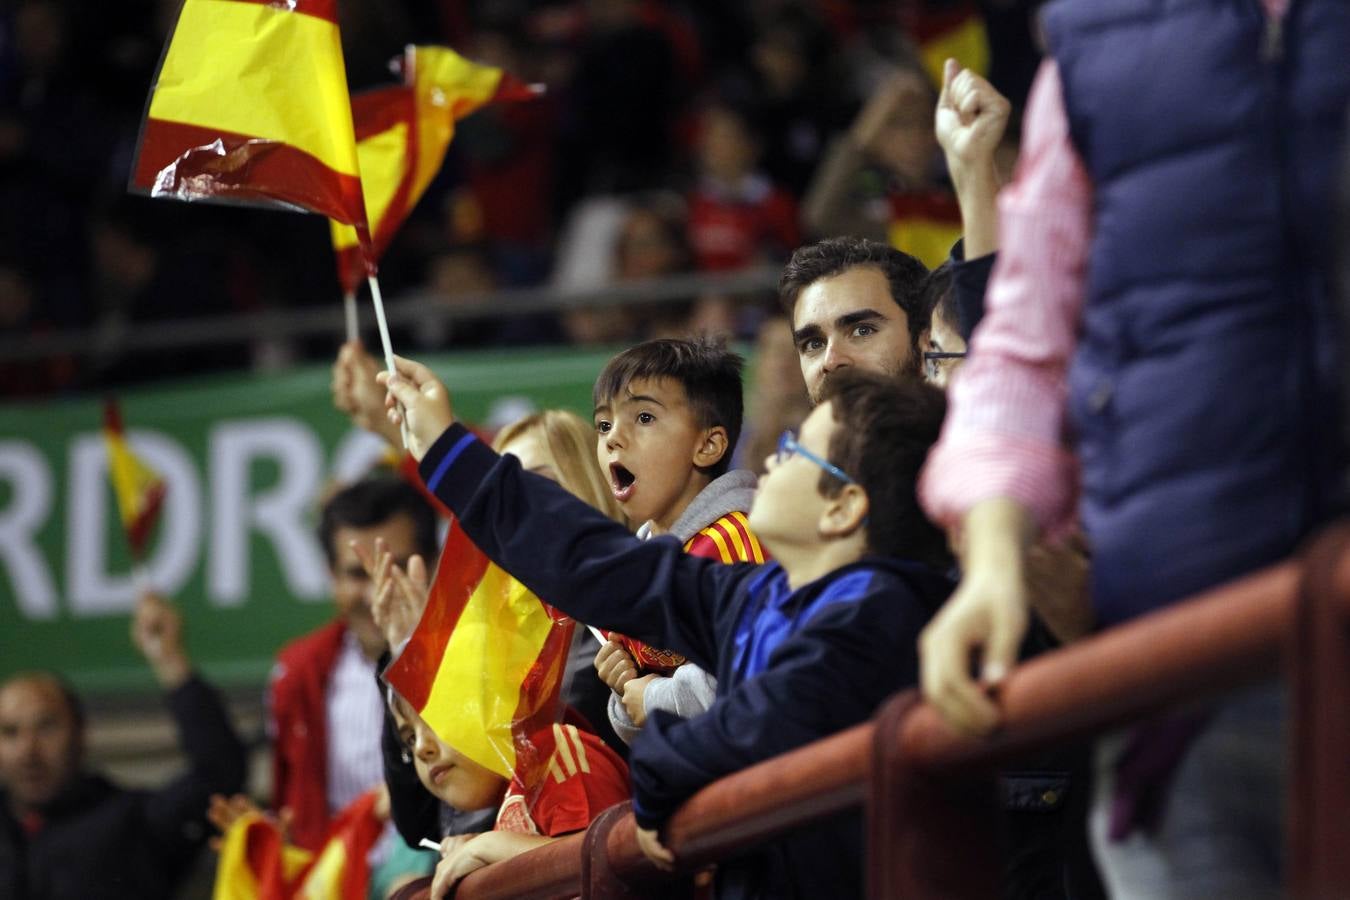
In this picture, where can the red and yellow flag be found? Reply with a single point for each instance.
(256, 863)
(924, 225)
(138, 488)
(955, 31)
(250, 105)
(402, 134)
(484, 666)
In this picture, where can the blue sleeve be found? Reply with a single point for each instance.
(577, 559)
(829, 675)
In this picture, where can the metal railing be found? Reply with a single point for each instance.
(413, 308)
(929, 793)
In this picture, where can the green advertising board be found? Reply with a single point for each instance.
(245, 459)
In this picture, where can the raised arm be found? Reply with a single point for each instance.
(1000, 474)
(563, 549)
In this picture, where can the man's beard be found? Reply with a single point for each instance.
(910, 365)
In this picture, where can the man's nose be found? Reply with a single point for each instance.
(835, 357)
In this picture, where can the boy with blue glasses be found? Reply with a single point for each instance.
(802, 647)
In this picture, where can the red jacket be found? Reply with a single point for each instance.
(298, 725)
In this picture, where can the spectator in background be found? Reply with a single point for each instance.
(789, 77)
(624, 94)
(66, 834)
(324, 711)
(1160, 300)
(613, 241)
(882, 178)
(737, 215)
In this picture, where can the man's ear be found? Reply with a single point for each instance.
(845, 512)
(711, 447)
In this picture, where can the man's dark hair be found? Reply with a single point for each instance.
(709, 373)
(833, 256)
(372, 501)
(885, 426)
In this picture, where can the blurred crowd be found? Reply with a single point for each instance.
(674, 137)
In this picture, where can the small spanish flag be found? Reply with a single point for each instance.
(250, 105)
(402, 134)
(256, 863)
(924, 225)
(139, 489)
(484, 666)
(953, 29)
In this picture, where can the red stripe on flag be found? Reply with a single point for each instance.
(138, 532)
(510, 88)
(461, 568)
(374, 112)
(192, 163)
(537, 708)
(381, 109)
(319, 9)
(112, 416)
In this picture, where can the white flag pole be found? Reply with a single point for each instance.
(353, 319)
(388, 346)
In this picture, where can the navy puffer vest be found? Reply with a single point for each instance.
(1202, 394)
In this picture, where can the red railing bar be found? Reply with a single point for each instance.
(1222, 639)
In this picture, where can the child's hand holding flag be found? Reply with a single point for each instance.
(419, 401)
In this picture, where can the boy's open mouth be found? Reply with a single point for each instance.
(621, 481)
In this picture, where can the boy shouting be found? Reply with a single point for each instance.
(802, 647)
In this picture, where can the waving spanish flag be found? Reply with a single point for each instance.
(138, 488)
(402, 134)
(484, 666)
(256, 863)
(250, 105)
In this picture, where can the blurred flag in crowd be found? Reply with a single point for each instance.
(402, 134)
(256, 862)
(250, 105)
(484, 666)
(952, 29)
(925, 225)
(139, 489)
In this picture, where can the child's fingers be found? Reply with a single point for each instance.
(417, 572)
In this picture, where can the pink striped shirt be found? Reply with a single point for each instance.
(1003, 436)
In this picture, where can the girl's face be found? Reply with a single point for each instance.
(531, 448)
(448, 774)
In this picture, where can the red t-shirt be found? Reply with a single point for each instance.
(582, 778)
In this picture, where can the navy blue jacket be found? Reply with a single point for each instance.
(1202, 394)
(791, 667)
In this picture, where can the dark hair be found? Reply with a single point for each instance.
(832, 256)
(886, 425)
(372, 501)
(709, 373)
(940, 299)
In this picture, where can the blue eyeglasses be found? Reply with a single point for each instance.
(788, 446)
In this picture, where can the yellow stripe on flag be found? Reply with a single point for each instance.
(261, 71)
(382, 158)
(496, 641)
(132, 479)
(448, 87)
(235, 877)
(968, 44)
(927, 240)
